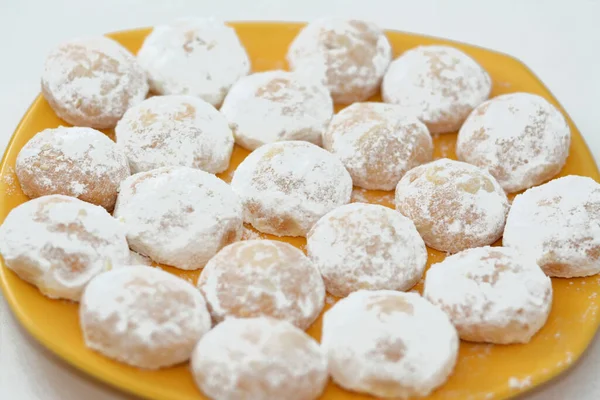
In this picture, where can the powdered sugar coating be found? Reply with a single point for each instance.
(491, 294)
(366, 246)
(259, 359)
(272, 106)
(138, 259)
(520, 138)
(349, 56)
(143, 316)
(199, 57)
(256, 278)
(454, 205)
(179, 216)
(286, 187)
(58, 243)
(175, 130)
(92, 82)
(78, 162)
(378, 143)
(389, 344)
(440, 85)
(558, 223)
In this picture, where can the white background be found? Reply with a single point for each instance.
(559, 40)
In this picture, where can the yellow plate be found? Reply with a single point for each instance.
(482, 372)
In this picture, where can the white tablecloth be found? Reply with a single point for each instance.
(559, 40)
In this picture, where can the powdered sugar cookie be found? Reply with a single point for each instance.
(143, 316)
(440, 85)
(178, 216)
(559, 224)
(256, 278)
(58, 243)
(378, 143)
(400, 345)
(175, 130)
(273, 106)
(491, 294)
(259, 359)
(78, 162)
(366, 246)
(520, 138)
(286, 187)
(197, 56)
(92, 82)
(454, 205)
(350, 56)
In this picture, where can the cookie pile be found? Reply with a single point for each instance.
(242, 323)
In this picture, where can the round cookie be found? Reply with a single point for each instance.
(58, 243)
(378, 143)
(257, 278)
(558, 223)
(92, 82)
(454, 205)
(77, 162)
(200, 57)
(143, 316)
(520, 138)
(491, 294)
(440, 85)
(400, 344)
(272, 106)
(175, 130)
(349, 56)
(366, 246)
(178, 216)
(259, 359)
(285, 187)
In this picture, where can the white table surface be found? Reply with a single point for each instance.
(559, 40)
